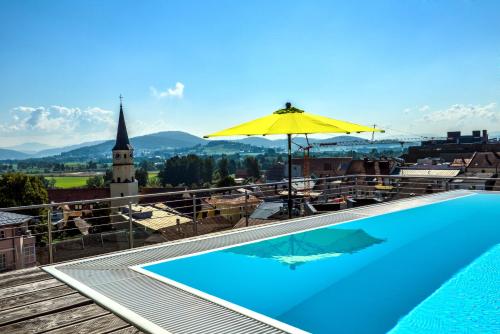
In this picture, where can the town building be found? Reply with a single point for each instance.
(319, 167)
(275, 172)
(455, 146)
(17, 245)
(232, 207)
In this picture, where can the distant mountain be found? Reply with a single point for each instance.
(6, 154)
(30, 148)
(165, 140)
(58, 150)
(151, 142)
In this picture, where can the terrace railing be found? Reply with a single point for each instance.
(72, 230)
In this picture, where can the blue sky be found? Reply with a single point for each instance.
(412, 67)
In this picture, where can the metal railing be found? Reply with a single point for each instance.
(70, 230)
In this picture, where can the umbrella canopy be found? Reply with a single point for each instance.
(291, 121)
(309, 246)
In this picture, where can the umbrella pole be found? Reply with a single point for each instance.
(289, 176)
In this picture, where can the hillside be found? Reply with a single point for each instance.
(151, 142)
(6, 154)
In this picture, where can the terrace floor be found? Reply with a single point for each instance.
(32, 301)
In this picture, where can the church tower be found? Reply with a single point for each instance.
(124, 182)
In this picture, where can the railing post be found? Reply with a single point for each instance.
(195, 227)
(49, 231)
(355, 192)
(130, 226)
(246, 208)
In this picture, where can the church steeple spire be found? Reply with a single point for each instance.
(122, 141)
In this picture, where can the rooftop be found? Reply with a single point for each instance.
(10, 218)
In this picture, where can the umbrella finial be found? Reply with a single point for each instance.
(288, 105)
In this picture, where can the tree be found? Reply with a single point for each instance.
(207, 170)
(252, 167)
(141, 175)
(49, 183)
(108, 177)
(91, 165)
(223, 167)
(17, 189)
(226, 181)
(96, 181)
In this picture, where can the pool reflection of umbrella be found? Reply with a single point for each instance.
(292, 121)
(309, 246)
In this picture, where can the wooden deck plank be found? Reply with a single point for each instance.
(29, 288)
(31, 301)
(128, 330)
(12, 279)
(100, 325)
(34, 297)
(41, 308)
(19, 272)
(55, 320)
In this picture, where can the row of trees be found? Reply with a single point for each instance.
(187, 170)
(195, 171)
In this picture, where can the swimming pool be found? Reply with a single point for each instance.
(426, 264)
(362, 276)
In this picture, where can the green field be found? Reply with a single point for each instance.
(70, 181)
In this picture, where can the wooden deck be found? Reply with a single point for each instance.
(32, 301)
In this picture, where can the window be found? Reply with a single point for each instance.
(118, 180)
(2, 234)
(117, 156)
(29, 255)
(125, 156)
(3, 261)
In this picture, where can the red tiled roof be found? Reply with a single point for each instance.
(77, 194)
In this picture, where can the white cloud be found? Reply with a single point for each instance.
(64, 123)
(177, 91)
(56, 118)
(460, 115)
(424, 108)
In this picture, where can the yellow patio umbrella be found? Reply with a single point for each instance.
(290, 121)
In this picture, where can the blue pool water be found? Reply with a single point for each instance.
(363, 276)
